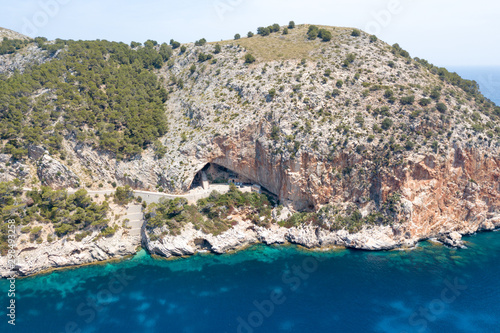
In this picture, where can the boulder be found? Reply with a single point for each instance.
(453, 239)
(53, 173)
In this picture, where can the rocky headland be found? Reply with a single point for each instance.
(377, 150)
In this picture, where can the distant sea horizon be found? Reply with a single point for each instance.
(488, 78)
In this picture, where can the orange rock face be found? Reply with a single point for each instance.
(455, 191)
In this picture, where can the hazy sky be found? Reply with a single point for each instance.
(445, 32)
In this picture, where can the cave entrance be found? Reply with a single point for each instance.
(202, 244)
(216, 174)
(213, 173)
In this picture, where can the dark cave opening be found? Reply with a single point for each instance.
(213, 173)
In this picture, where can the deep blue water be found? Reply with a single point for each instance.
(272, 289)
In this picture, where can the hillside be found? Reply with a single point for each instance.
(343, 130)
(9, 34)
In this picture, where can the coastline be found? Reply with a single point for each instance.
(303, 243)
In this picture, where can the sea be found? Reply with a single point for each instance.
(431, 288)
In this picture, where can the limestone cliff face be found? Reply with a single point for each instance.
(304, 182)
(55, 174)
(456, 190)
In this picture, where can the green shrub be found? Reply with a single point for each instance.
(339, 83)
(123, 195)
(285, 31)
(441, 107)
(150, 43)
(291, 25)
(407, 100)
(349, 59)
(397, 50)
(109, 231)
(200, 42)
(202, 57)
(263, 31)
(387, 123)
(424, 101)
(312, 32)
(272, 93)
(325, 35)
(355, 33)
(250, 34)
(80, 236)
(63, 230)
(275, 27)
(174, 44)
(409, 145)
(217, 48)
(237, 36)
(435, 146)
(359, 119)
(249, 59)
(435, 94)
(373, 39)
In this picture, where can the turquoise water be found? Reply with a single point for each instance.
(272, 289)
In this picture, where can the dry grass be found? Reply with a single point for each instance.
(11, 34)
(295, 45)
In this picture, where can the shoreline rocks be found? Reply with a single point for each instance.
(453, 239)
(38, 258)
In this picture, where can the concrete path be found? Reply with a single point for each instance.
(149, 197)
(134, 212)
(191, 196)
(136, 219)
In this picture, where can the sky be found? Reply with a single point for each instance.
(445, 32)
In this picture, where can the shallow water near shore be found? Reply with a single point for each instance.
(431, 288)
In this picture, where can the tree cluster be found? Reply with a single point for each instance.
(104, 92)
(67, 213)
(8, 46)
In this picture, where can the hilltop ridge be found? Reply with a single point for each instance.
(10, 34)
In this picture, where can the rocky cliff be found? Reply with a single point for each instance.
(351, 123)
(36, 258)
